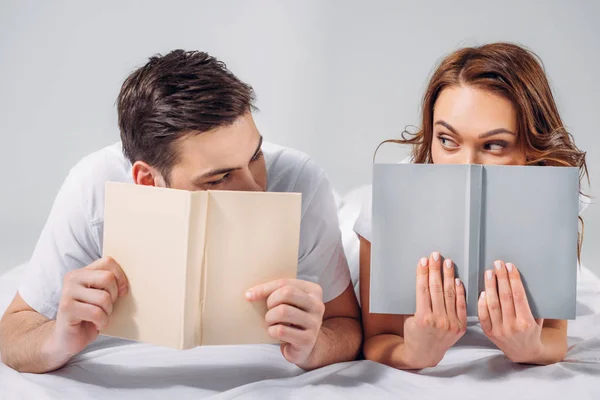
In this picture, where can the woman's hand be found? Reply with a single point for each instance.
(441, 314)
(505, 315)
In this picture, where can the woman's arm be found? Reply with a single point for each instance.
(419, 341)
(554, 341)
(383, 334)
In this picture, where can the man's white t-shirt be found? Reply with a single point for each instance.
(72, 236)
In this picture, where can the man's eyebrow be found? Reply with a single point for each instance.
(221, 171)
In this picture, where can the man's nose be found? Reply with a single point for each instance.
(249, 184)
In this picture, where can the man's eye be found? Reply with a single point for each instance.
(220, 181)
(257, 157)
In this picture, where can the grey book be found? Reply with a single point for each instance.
(474, 215)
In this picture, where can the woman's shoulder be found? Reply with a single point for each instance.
(363, 198)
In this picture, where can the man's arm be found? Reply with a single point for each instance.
(25, 338)
(30, 342)
(340, 336)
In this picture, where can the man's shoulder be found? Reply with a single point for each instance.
(87, 178)
(290, 170)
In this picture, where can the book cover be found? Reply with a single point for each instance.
(474, 215)
(189, 258)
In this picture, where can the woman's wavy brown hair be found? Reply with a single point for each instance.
(516, 74)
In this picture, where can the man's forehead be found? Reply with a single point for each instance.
(226, 147)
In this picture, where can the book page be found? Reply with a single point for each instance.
(146, 232)
(252, 238)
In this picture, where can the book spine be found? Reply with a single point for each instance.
(204, 267)
(195, 255)
(473, 214)
(184, 340)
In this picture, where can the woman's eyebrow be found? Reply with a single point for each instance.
(481, 136)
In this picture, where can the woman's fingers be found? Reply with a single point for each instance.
(449, 289)
(436, 287)
(423, 297)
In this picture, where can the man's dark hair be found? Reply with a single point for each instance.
(180, 93)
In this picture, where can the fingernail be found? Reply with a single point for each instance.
(509, 267)
(423, 262)
(498, 265)
(448, 263)
(482, 296)
(249, 295)
(436, 256)
(488, 274)
(123, 290)
(457, 281)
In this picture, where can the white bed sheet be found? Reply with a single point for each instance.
(473, 369)
(117, 369)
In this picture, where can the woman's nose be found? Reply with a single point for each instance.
(470, 157)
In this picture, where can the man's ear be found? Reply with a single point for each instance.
(144, 174)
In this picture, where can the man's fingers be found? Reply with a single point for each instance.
(288, 315)
(99, 279)
(295, 297)
(109, 264)
(298, 338)
(78, 312)
(95, 297)
(263, 291)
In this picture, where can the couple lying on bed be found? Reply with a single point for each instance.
(186, 122)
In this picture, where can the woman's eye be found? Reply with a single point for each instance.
(494, 146)
(447, 142)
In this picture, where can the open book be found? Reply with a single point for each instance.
(191, 256)
(474, 215)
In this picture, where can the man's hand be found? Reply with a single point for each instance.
(86, 303)
(294, 316)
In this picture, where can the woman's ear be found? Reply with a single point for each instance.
(144, 174)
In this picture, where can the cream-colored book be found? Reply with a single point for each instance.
(190, 257)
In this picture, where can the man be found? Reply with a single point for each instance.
(185, 123)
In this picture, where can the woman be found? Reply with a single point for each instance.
(484, 105)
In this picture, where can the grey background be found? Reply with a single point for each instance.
(333, 79)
